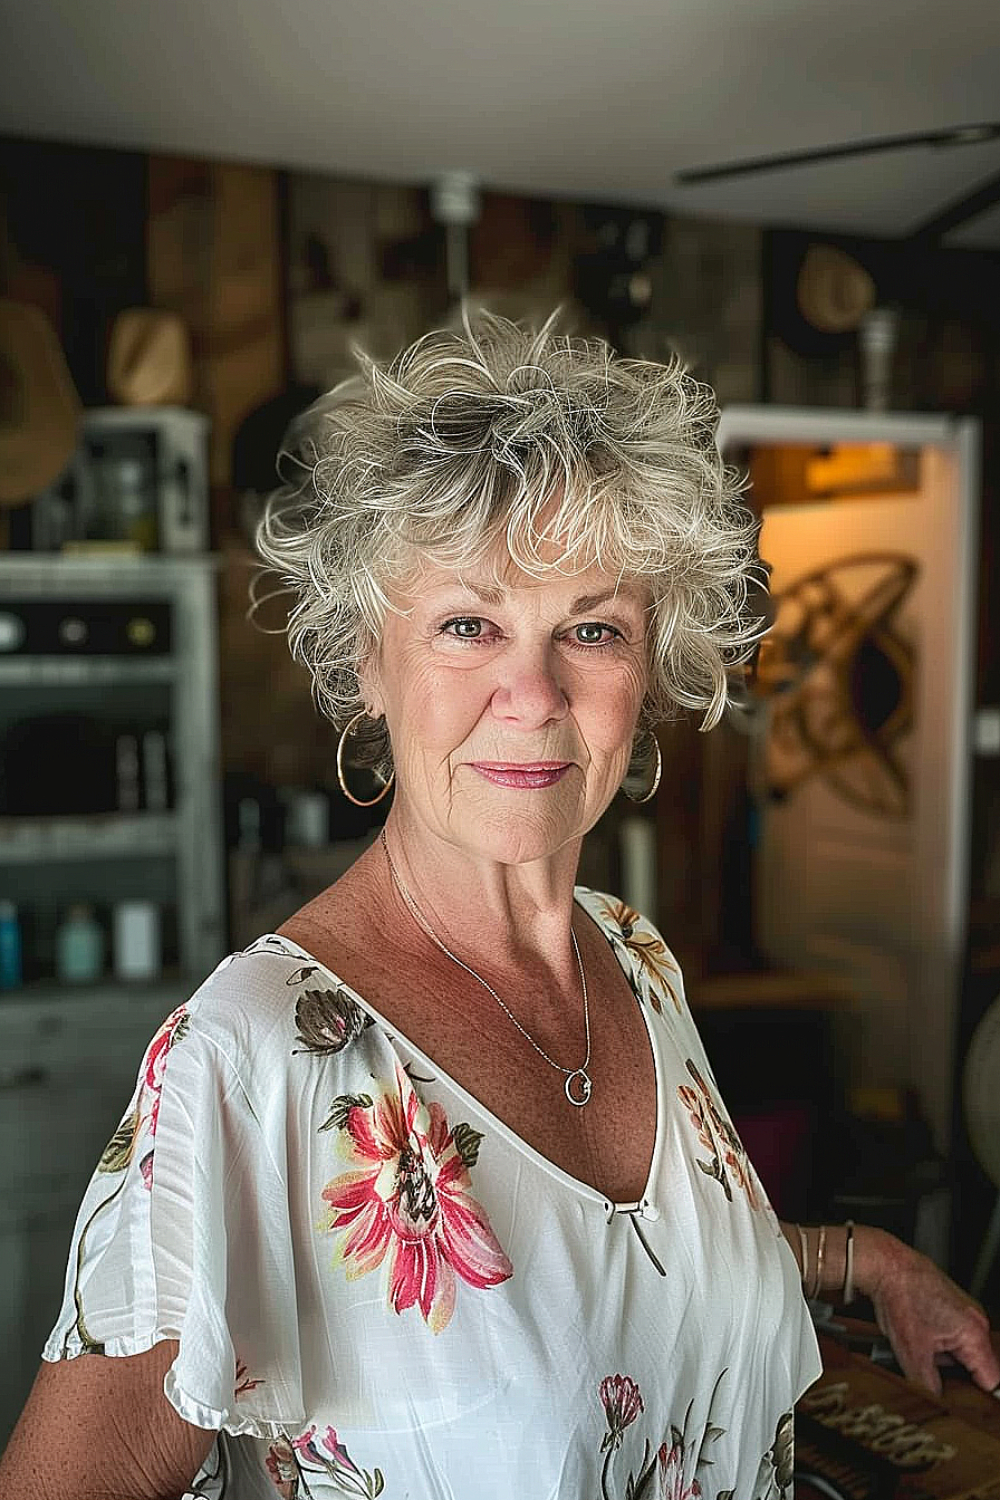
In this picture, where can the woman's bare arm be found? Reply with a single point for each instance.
(96, 1428)
(921, 1311)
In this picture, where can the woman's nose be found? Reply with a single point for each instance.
(530, 691)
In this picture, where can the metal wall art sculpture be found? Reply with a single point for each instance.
(837, 670)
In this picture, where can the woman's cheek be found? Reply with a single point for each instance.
(624, 698)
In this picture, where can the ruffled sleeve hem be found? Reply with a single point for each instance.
(235, 1423)
(197, 1412)
(184, 1234)
(72, 1346)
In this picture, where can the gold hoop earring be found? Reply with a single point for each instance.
(361, 714)
(648, 796)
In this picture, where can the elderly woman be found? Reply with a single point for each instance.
(431, 1192)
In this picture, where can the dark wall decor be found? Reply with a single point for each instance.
(73, 243)
(838, 673)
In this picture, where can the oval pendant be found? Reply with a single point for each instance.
(578, 1088)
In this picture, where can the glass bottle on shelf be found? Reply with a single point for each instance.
(10, 946)
(79, 946)
(126, 494)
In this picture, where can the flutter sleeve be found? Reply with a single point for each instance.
(184, 1234)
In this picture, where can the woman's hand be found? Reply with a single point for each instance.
(922, 1312)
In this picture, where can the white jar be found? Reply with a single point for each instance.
(137, 940)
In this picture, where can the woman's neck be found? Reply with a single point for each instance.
(512, 915)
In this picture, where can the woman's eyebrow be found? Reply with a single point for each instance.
(484, 591)
(591, 601)
(580, 605)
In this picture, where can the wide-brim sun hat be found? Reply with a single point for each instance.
(833, 291)
(39, 405)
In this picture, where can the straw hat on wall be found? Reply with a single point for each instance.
(39, 406)
(833, 291)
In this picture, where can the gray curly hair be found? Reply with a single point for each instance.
(500, 433)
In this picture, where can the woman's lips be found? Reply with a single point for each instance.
(524, 776)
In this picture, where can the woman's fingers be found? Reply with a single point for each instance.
(925, 1315)
(976, 1352)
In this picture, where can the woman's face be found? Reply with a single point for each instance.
(511, 709)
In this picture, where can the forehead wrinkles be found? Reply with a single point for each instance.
(576, 593)
(585, 587)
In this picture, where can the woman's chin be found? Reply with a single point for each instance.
(516, 841)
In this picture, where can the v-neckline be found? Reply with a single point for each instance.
(576, 1184)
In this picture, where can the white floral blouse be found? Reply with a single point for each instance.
(379, 1288)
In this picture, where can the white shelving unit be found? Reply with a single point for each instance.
(92, 836)
(69, 1055)
(95, 672)
(186, 679)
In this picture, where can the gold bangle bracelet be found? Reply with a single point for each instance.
(820, 1251)
(847, 1292)
(804, 1271)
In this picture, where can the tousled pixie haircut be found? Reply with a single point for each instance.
(499, 439)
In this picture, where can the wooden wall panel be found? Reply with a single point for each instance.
(214, 256)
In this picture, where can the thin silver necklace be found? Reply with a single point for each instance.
(577, 1083)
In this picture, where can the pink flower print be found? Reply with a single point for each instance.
(172, 1030)
(670, 1474)
(306, 1445)
(281, 1465)
(622, 1402)
(338, 1452)
(118, 1153)
(336, 1462)
(243, 1382)
(408, 1202)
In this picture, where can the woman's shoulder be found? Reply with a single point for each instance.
(271, 1000)
(640, 945)
(616, 916)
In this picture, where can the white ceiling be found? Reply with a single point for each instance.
(601, 100)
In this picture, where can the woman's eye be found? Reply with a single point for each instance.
(467, 628)
(595, 634)
(474, 628)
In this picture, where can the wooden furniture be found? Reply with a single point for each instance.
(864, 1433)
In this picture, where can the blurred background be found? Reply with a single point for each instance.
(202, 208)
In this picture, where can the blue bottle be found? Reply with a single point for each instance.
(10, 946)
